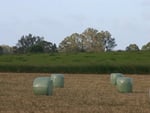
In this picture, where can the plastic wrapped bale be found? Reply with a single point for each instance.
(114, 76)
(124, 84)
(58, 80)
(43, 86)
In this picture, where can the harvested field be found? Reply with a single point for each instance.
(81, 94)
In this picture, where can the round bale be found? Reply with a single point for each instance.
(114, 76)
(58, 80)
(124, 84)
(43, 86)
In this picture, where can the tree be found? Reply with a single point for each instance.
(36, 49)
(146, 47)
(71, 43)
(5, 49)
(89, 41)
(1, 50)
(14, 48)
(105, 40)
(48, 47)
(54, 48)
(132, 47)
(28, 41)
(35, 44)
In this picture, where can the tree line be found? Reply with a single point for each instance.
(90, 40)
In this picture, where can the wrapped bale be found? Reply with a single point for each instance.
(114, 76)
(58, 80)
(124, 84)
(43, 86)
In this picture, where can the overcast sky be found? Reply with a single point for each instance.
(127, 20)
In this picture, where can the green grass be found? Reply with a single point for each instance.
(125, 62)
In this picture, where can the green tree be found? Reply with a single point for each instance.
(35, 44)
(1, 50)
(132, 47)
(14, 48)
(36, 49)
(28, 41)
(146, 47)
(48, 47)
(54, 48)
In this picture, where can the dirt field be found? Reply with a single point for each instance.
(82, 94)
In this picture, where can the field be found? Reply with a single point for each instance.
(91, 93)
(105, 62)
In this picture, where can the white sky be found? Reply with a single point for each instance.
(127, 20)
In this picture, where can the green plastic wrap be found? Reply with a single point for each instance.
(58, 80)
(114, 76)
(43, 86)
(124, 84)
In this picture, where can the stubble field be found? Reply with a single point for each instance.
(91, 93)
